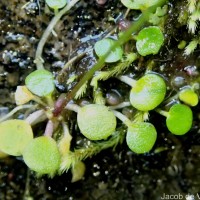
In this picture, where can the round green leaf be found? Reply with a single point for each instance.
(141, 137)
(96, 122)
(102, 47)
(148, 92)
(14, 136)
(78, 171)
(189, 97)
(42, 155)
(179, 119)
(56, 4)
(139, 4)
(149, 40)
(40, 82)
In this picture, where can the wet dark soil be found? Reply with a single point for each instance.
(112, 174)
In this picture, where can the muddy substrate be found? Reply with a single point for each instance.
(120, 175)
(112, 174)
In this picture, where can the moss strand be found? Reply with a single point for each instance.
(136, 26)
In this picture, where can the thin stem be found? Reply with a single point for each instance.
(162, 112)
(27, 186)
(126, 13)
(54, 33)
(30, 110)
(171, 100)
(124, 37)
(36, 117)
(71, 61)
(38, 56)
(111, 32)
(73, 107)
(55, 11)
(49, 101)
(58, 106)
(121, 105)
(26, 4)
(39, 101)
(122, 117)
(49, 129)
(136, 26)
(12, 112)
(127, 80)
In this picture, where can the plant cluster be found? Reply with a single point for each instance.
(190, 17)
(50, 151)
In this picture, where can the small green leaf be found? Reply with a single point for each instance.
(14, 136)
(56, 4)
(148, 92)
(149, 40)
(102, 47)
(179, 119)
(42, 155)
(139, 4)
(96, 122)
(23, 95)
(141, 137)
(78, 171)
(40, 82)
(189, 97)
